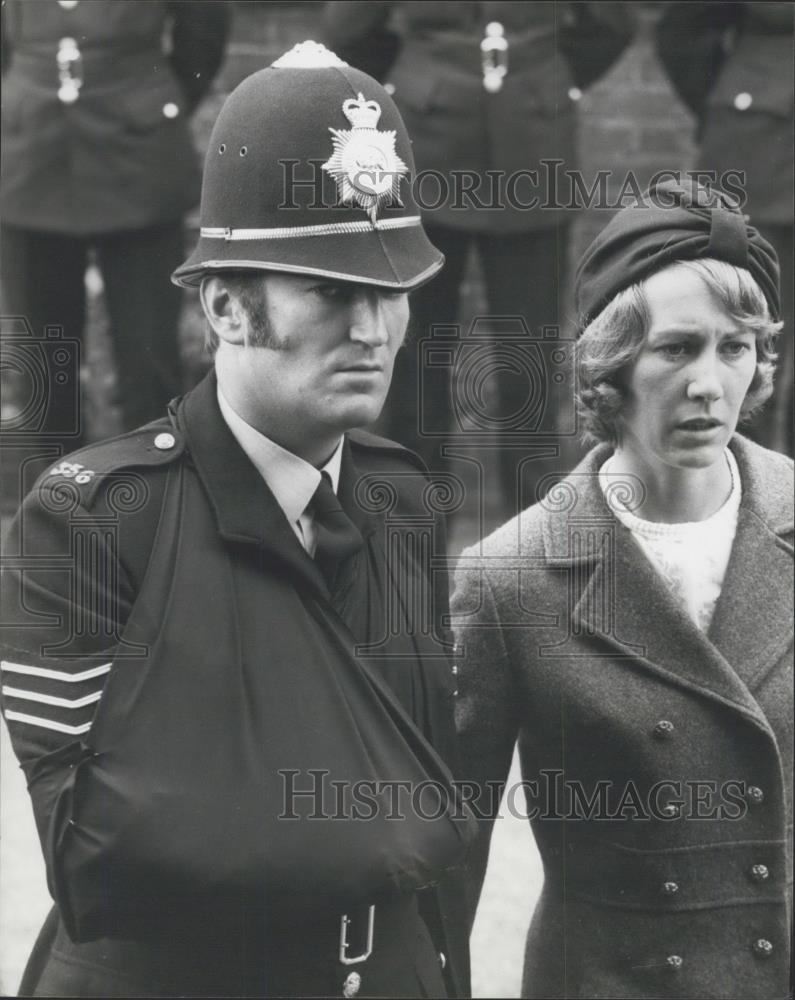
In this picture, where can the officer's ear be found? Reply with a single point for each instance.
(224, 311)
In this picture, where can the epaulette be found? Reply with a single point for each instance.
(155, 444)
(366, 441)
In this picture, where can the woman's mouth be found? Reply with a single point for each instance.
(699, 424)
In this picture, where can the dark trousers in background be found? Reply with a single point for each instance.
(43, 280)
(525, 275)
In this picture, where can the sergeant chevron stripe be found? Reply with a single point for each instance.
(55, 675)
(59, 714)
(49, 699)
(59, 727)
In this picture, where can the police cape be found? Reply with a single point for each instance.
(239, 681)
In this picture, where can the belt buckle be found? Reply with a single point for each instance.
(345, 921)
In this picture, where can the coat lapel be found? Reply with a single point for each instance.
(245, 509)
(752, 626)
(618, 596)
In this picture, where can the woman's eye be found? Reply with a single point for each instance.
(673, 350)
(736, 348)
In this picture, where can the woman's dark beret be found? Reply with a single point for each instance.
(673, 222)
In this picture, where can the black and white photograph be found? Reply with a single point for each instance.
(396, 499)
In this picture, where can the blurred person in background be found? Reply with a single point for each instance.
(731, 63)
(489, 91)
(634, 631)
(98, 158)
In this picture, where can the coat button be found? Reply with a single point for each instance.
(762, 948)
(664, 730)
(352, 984)
(743, 101)
(670, 811)
(164, 442)
(674, 962)
(759, 873)
(670, 888)
(170, 110)
(755, 795)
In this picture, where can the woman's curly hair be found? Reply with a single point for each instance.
(612, 341)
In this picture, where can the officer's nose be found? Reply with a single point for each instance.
(704, 378)
(368, 319)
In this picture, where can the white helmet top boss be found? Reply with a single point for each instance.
(309, 171)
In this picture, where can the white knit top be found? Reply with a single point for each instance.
(692, 556)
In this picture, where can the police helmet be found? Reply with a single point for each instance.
(309, 171)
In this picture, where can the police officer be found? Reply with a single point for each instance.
(235, 715)
(97, 156)
(731, 63)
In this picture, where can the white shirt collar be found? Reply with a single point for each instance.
(290, 479)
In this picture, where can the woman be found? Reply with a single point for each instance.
(634, 631)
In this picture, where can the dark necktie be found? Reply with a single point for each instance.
(337, 536)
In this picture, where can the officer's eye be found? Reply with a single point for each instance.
(332, 291)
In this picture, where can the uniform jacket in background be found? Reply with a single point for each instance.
(571, 641)
(731, 63)
(121, 155)
(200, 616)
(433, 61)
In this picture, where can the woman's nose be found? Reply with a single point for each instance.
(704, 379)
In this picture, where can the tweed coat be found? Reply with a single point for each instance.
(455, 125)
(120, 156)
(672, 877)
(212, 575)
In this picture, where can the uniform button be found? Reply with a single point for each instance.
(352, 984)
(743, 101)
(165, 441)
(575, 93)
(759, 873)
(674, 961)
(670, 888)
(442, 959)
(755, 795)
(670, 810)
(170, 110)
(67, 4)
(664, 730)
(762, 948)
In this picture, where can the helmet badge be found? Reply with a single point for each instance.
(364, 163)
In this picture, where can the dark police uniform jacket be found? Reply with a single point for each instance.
(165, 632)
(455, 124)
(120, 156)
(572, 642)
(731, 63)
